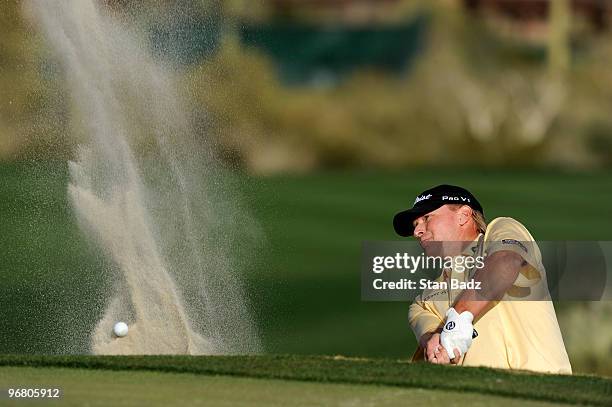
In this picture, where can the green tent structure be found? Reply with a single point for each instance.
(309, 54)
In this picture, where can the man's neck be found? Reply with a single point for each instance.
(458, 247)
(468, 236)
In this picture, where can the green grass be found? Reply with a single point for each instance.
(304, 284)
(442, 381)
(104, 388)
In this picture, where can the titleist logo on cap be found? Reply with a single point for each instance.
(421, 198)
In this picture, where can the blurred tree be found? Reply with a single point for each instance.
(31, 111)
(246, 10)
(559, 36)
(474, 98)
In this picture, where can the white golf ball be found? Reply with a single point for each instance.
(120, 329)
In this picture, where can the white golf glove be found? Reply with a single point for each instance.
(458, 332)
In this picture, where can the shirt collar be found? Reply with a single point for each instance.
(470, 250)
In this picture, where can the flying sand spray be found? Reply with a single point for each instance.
(155, 214)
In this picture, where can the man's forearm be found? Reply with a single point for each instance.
(497, 276)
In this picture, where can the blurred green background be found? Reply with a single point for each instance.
(331, 115)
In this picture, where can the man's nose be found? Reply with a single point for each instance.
(419, 230)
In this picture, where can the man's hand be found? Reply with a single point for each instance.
(457, 333)
(499, 273)
(434, 352)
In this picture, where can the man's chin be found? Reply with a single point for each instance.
(432, 248)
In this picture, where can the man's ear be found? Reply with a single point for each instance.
(464, 214)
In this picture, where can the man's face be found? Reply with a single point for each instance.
(441, 225)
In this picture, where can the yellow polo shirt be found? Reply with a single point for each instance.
(517, 333)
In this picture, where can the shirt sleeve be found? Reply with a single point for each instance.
(509, 234)
(422, 319)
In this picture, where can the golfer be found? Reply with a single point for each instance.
(507, 319)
